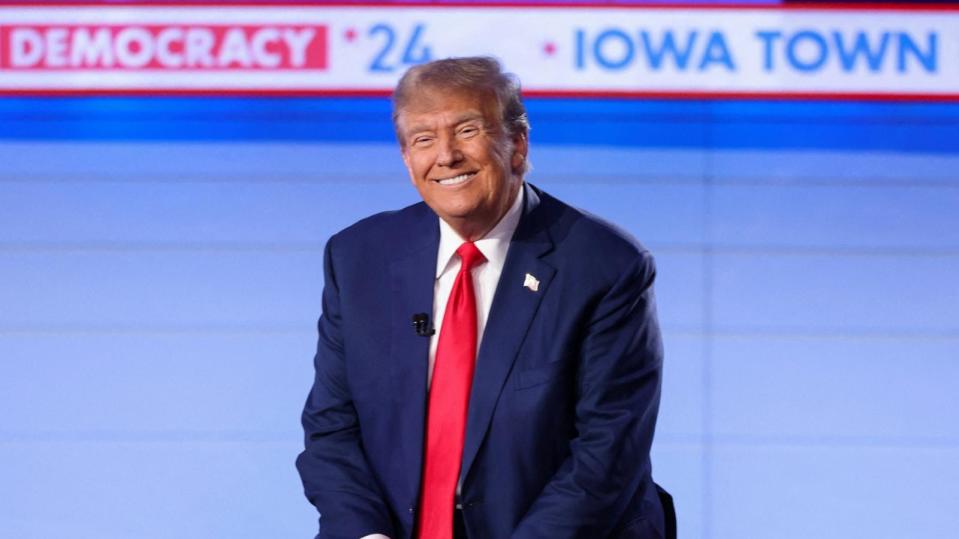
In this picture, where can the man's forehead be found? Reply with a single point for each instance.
(458, 105)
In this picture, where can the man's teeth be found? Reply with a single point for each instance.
(455, 180)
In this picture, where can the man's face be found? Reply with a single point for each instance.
(462, 162)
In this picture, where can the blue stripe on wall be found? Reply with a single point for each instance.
(900, 127)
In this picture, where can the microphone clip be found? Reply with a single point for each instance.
(421, 325)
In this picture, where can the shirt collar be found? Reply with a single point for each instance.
(493, 245)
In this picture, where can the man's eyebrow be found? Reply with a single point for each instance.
(468, 116)
(418, 128)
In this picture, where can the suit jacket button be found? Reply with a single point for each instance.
(412, 510)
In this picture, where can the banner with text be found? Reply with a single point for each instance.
(911, 53)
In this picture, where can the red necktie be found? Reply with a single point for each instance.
(448, 401)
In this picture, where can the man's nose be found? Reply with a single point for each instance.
(449, 153)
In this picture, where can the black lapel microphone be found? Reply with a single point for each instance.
(421, 325)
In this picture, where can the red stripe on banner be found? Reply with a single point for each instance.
(163, 47)
(801, 6)
(778, 96)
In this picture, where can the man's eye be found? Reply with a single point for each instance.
(422, 141)
(469, 131)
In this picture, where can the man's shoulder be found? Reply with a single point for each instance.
(591, 252)
(590, 236)
(386, 231)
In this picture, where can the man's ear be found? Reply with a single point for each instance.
(520, 151)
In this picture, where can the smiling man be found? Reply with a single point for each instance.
(521, 401)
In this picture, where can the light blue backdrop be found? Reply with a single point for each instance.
(160, 273)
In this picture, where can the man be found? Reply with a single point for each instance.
(522, 402)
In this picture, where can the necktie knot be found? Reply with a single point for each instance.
(470, 255)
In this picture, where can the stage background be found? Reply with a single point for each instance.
(161, 268)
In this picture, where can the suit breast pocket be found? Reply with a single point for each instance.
(542, 374)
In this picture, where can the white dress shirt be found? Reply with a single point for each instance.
(494, 246)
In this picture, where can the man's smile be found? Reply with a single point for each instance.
(455, 180)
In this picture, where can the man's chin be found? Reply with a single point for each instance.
(453, 210)
(456, 219)
(468, 225)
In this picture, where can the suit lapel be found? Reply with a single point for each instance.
(412, 275)
(513, 309)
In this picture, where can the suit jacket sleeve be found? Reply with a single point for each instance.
(615, 414)
(335, 473)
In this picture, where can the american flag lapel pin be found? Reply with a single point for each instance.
(531, 282)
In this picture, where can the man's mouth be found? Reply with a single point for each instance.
(456, 180)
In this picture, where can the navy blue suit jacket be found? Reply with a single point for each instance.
(564, 397)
